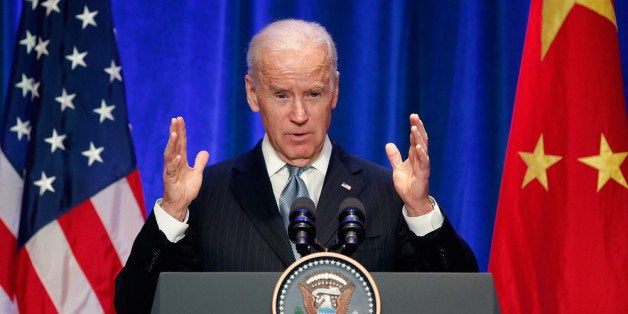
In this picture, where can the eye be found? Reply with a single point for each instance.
(281, 95)
(314, 94)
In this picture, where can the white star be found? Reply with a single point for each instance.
(26, 85)
(105, 111)
(22, 128)
(77, 58)
(41, 47)
(87, 17)
(45, 184)
(55, 141)
(93, 154)
(34, 3)
(35, 90)
(114, 72)
(65, 100)
(51, 5)
(29, 41)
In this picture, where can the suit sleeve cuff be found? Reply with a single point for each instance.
(171, 227)
(424, 224)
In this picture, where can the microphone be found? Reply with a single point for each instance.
(350, 225)
(302, 229)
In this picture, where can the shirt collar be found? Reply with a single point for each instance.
(274, 163)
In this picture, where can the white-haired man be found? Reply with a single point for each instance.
(227, 217)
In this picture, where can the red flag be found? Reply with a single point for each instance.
(561, 233)
(69, 185)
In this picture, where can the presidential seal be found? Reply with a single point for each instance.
(326, 283)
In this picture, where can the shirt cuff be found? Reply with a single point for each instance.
(170, 226)
(424, 224)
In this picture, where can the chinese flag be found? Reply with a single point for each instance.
(561, 233)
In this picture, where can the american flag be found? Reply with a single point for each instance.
(70, 191)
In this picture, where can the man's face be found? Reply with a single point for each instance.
(295, 95)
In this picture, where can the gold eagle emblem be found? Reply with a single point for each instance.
(326, 292)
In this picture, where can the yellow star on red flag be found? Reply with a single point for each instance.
(555, 12)
(537, 163)
(608, 165)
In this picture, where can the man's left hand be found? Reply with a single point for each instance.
(411, 177)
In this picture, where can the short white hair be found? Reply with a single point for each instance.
(290, 34)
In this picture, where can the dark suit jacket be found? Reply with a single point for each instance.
(235, 225)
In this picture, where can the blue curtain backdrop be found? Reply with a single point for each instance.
(454, 62)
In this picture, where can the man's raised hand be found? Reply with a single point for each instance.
(411, 177)
(181, 183)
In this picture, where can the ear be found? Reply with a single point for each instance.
(251, 93)
(334, 100)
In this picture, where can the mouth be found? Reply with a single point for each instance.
(298, 136)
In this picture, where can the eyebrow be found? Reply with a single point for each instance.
(276, 89)
(317, 86)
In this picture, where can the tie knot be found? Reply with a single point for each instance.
(294, 171)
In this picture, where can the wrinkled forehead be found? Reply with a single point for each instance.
(309, 64)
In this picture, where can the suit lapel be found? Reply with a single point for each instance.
(342, 180)
(251, 186)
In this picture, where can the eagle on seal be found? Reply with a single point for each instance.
(326, 293)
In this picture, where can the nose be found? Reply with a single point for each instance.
(298, 114)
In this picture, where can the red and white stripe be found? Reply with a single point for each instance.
(11, 186)
(69, 265)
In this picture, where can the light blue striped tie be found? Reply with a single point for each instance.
(295, 188)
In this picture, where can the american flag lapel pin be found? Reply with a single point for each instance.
(346, 186)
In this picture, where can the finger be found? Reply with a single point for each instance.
(394, 156)
(183, 139)
(170, 150)
(422, 162)
(414, 139)
(414, 119)
(201, 161)
(178, 129)
(417, 138)
(421, 135)
(173, 125)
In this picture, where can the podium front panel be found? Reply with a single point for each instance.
(208, 292)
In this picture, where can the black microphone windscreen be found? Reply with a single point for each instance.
(351, 202)
(303, 202)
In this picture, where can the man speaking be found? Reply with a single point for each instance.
(232, 216)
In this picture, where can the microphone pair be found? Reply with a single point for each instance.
(302, 227)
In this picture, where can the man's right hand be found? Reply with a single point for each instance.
(181, 183)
